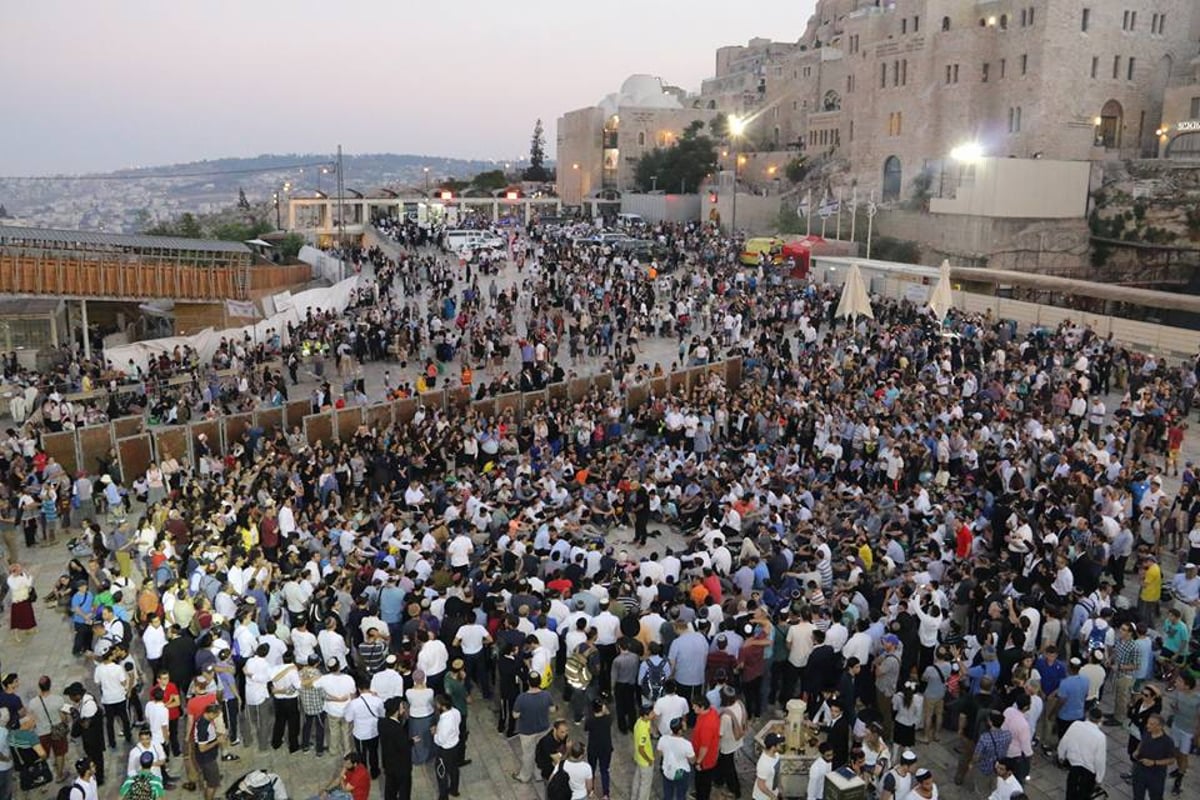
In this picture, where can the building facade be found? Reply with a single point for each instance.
(598, 146)
(893, 87)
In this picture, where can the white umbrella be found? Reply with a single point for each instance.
(942, 299)
(854, 302)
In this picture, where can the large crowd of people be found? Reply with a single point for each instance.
(928, 530)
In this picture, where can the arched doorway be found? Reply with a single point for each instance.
(1108, 132)
(891, 178)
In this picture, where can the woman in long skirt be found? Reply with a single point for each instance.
(20, 592)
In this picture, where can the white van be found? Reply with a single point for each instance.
(629, 220)
(455, 240)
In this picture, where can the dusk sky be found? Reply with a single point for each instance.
(117, 83)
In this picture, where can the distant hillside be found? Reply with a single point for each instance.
(127, 200)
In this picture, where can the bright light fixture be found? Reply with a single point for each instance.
(737, 125)
(969, 151)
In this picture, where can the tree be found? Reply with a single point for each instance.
(536, 171)
(4, 212)
(719, 127)
(243, 203)
(490, 181)
(141, 220)
(289, 248)
(797, 169)
(685, 164)
(188, 227)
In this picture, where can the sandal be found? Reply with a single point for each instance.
(189, 786)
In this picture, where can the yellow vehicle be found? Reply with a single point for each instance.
(771, 245)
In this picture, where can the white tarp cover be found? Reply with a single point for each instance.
(324, 265)
(855, 302)
(943, 297)
(206, 342)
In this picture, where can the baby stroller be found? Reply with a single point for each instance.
(257, 784)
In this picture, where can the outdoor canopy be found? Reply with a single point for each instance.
(854, 302)
(942, 299)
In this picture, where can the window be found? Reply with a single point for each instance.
(1129, 68)
(1085, 20)
(945, 23)
(883, 75)
(1125, 21)
(951, 73)
(641, 138)
(904, 25)
(956, 73)
(1154, 24)
(1116, 67)
(1022, 18)
(1031, 10)
(896, 73)
(1024, 63)
(854, 44)
(1161, 24)
(917, 24)
(1004, 22)
(1195, 108)
(984, 76)
(852, 130)
(1095, 66)
(947, 74)
(895, 123)
(1129, 21)
(904, 72)
(1003, 63)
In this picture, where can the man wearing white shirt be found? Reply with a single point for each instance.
(339, 691)
(304, 643)
(114, 683)
(1006, 783)
(388, 683)
(332, 644)
(1084, 748)
(432, 660)
(258, 674)
(446, 736)
(471, 639)
(363, 714)
(154, 639)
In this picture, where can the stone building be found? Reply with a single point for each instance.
(892, 86)
(599, 146)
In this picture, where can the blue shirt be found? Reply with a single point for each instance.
(1051, 674)
(391, 604)
(81, 607)
(1073, 692)
(689, 654)
(976, 673)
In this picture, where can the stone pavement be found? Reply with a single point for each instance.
(494, 758)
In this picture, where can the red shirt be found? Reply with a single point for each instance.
(962, 541)
(713, 584)
(707, 733)
(196, 706)
(171, 690)
(359, 780)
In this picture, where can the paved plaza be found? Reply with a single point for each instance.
(493, 758)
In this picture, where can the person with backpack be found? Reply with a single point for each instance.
(653, 675)
(86, 785)
(144, 784)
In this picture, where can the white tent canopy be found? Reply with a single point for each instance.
(855, 302)
(942, 299)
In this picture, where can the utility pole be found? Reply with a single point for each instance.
(341, 200)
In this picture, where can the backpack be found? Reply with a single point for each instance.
(577, 672)
(1097, 637)
(66, 792)
(559, 785)
(656, 675)
(140, 788)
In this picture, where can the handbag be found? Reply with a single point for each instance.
(59, 731)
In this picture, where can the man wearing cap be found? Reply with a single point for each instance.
(145, 773)
(887, 677)
(1186, 587)
(898, 781)
(765, 781)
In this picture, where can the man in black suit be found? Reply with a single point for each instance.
(837, 733)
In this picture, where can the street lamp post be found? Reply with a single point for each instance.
(426, 181)
(579, 185)
(737, 126)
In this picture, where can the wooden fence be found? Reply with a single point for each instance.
(137, 446)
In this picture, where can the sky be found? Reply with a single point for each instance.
(107, 84)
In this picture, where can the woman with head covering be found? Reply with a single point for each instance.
(22, 596)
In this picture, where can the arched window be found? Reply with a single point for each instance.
(832, 101)
(891, 178)
(945, 23)
(1004, 22)
(641, 138)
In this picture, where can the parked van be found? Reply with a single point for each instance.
(630, 220)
